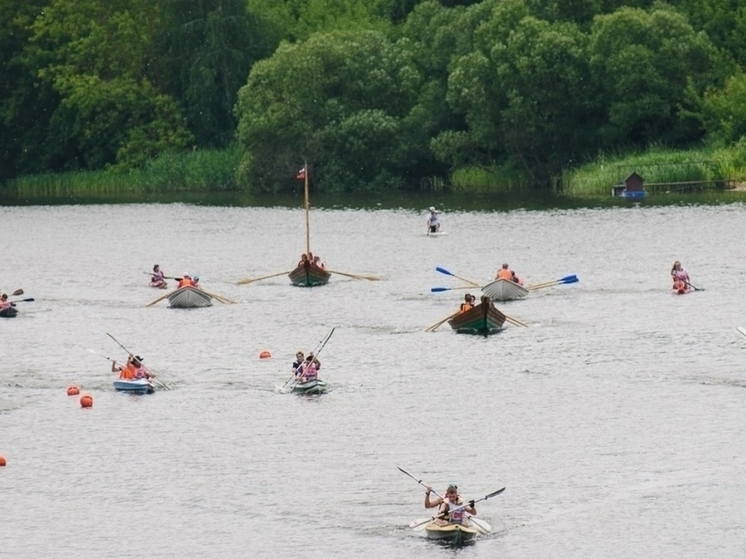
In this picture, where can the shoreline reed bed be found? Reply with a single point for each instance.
(481, 180)
(205, 170)
(655, 165)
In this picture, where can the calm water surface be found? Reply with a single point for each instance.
(615, 420)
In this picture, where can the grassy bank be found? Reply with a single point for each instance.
(206, 171)
(657, 165)
(483, 180)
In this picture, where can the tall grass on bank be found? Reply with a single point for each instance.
(207, 170)
(481, 180)
(655, 165)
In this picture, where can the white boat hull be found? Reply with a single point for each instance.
(504, 290)
(135, 386)
(189, 298)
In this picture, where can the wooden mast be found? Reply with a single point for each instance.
(308, 224)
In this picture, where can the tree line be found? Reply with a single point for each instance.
(373, 94)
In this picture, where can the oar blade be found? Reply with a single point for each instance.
(17, 292)
(492, 494)
(572, 280)
(742, 330)
(443, 271)
(439, 289)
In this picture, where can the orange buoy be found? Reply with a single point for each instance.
(2, 460)
(265, 354)
(86, 401)
(73, 390)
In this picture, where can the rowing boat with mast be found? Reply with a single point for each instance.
(307, 273)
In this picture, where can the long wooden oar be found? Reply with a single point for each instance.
(514, 321)
(440, 289)
(418, 524)
(438, 324)
(446, 272)
(355, 276)
(27, 300)
(224, 300)
(566, 279)
(250, 280)
(158, 299)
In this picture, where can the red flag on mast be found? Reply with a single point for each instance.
(301, 174)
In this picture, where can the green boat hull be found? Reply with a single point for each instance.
(309, 275)
(311, 387)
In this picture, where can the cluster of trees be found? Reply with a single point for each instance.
(372, 93)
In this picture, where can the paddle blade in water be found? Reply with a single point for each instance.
(439, 289)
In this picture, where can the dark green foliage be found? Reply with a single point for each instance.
(373, 94)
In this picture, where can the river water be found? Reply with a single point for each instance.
(614, 420)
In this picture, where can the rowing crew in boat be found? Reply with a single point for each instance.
(134, 369)
(452, 509)
(507, 274)
(310, 258)
(188, 281)
(468, 303)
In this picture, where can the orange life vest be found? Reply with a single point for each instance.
(466, 307)
(128, 373)
(186, 282)
(504, 274)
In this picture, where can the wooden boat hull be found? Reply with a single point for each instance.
(504, 290)
(483, 319)
(10, 312)
(189, 298)
(454, 534)
(316, 386)
(135, 386)
(309, 274)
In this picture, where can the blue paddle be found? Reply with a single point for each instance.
(446, 272)
(567, 279)
(439, 289)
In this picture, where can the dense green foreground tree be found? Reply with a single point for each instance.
(342, 102)
(377, 93)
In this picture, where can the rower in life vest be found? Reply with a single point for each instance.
(309, 369)
(433, 221)
(515, 278)
(186, 281)
(128, 371)
(504, 273)
(468, 303)
(451, 509)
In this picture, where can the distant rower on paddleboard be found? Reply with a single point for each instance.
(433, 222)
(680, 278)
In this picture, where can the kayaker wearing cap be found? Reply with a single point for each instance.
(452, 508)
(433, 222)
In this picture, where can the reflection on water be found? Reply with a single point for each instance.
(538, 200)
